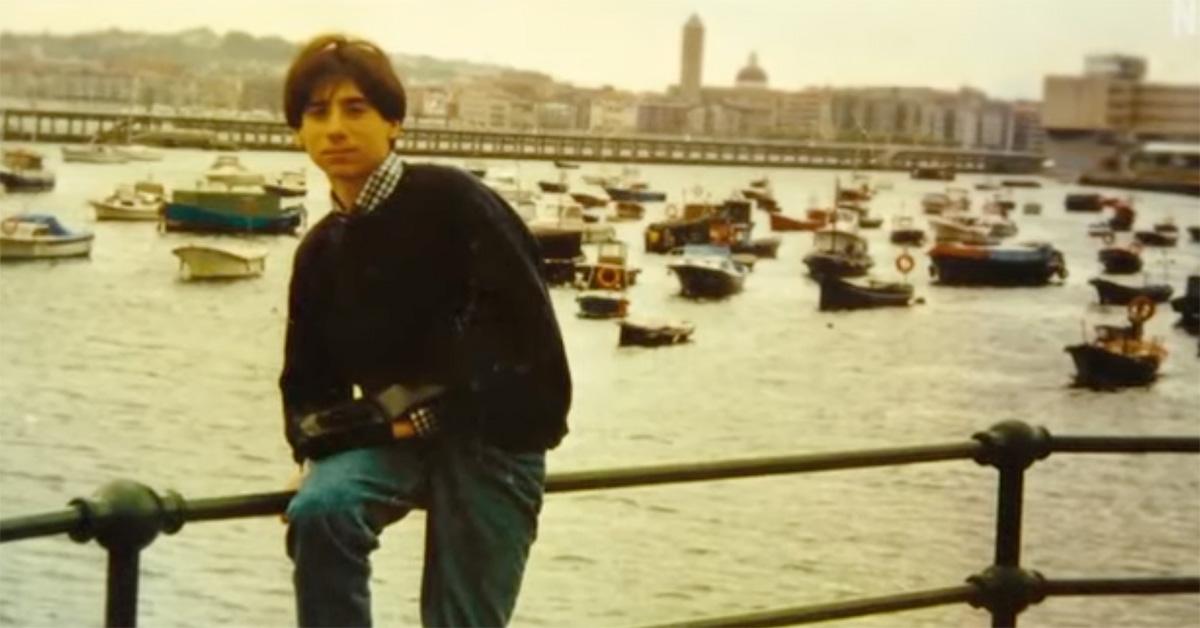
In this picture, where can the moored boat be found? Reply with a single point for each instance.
(126, 203)
(289, 183)
(92, 154)
(41, 236)
(588, 200)
(705, 273)
(602, 304)
(1119, 356)
(636, 193)
(1113, 293)
(1030, 264)
(228, 170)
(1156, 238)
(21, 170)
(905, 231)
(838, 293)
(932, 173)
(838, 252)
(249, 210)
(648, 333)
(1121, 260)
(780, 222)
(197, 261)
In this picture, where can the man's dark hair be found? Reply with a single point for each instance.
(329, 57)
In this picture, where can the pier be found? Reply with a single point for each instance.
(228, 133)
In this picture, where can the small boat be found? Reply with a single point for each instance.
(602, 304)
(92, 154)
(1121, 260)
(1031, 209)
(1113, 293)
(1084, 202)
(767, 248)
(41, 236)
(228, 169)
(552, 187)
(962, 228)
(21, 169)
(126, 203)
(1188, 305)
(932, 173)
(935, 202)
(588, 200)
(1118, 355)
(216, 210)
(646, 333)
(636, 192)
(708, 272)
(1030, 264)
(289, 183)
(565, 165)
(1156, 238)
(838, 293)
(905, 231)
(1167, 227)
(213, 262)
(838, 252)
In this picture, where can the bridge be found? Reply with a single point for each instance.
(229, 133)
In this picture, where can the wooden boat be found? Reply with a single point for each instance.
(1084, 202)
(780, 222)
(198, 261)
(838, 252)
(125, 203)
(1121, 260)
(588, 200)
(840, 294)
(628, 210)
(552, 187)
(1113, 293)
(21, 170)
(1119, 356)
(646, 333)
(1030, 264)
(708, 272)
(1156, 238)
(41, 236)
(1188, 305)
(215, 210)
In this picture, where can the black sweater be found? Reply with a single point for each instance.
(441, 284)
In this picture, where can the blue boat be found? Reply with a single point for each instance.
(230, 211)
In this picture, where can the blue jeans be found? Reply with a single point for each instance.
(482, 503)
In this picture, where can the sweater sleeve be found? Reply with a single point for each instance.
(308, 383)
(517, 369)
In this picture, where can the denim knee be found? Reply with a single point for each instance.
(330, 517)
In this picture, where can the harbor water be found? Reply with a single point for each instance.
(114, 367)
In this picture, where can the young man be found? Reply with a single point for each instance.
(421, 280)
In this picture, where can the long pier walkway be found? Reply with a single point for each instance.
(77, 126)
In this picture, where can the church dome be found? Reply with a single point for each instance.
(752, 75)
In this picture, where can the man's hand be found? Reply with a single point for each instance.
(294, 483)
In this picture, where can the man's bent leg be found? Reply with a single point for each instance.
(333, 525)
(483, 512)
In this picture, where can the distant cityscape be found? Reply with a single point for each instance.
(201, 73)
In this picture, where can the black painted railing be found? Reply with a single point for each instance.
(125, 517)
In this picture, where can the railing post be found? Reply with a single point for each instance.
(1004, 588)
(125, 517)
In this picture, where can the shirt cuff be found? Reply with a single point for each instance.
(425, 422)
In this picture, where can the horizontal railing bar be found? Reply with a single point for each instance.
(1125, 444)
(237, 506)
(839, 610)
(1121, 586)
(33, 526)
(729, 469)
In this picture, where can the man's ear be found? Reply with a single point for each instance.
(396, 131)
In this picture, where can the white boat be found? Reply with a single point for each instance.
(227, 169)
(198, 261)
(962, 228)
(41, 236)
(93, 154)
(126, 203)
(289, 183)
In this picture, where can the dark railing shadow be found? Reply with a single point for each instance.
(126, 516)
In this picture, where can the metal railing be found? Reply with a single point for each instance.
(125, 517)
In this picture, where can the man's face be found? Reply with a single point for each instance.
(343, 133)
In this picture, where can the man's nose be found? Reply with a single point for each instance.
(335, 124)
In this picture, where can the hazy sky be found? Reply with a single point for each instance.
(1004, 47)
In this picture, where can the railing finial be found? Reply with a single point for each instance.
(1012, 445)
(127, 515)
(1006, 591)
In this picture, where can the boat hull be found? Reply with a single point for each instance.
(18, 248)
(1112, 293)
(637, 196)
(602, 305)
(654, 335)
(191, 218)
(1120, 261)
(707, 283)
(202, 262)
(1098, 368)
(980, 268)
(822, 264)
(837, 294)
(109, 211)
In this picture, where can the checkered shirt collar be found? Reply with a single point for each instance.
(380, 185)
